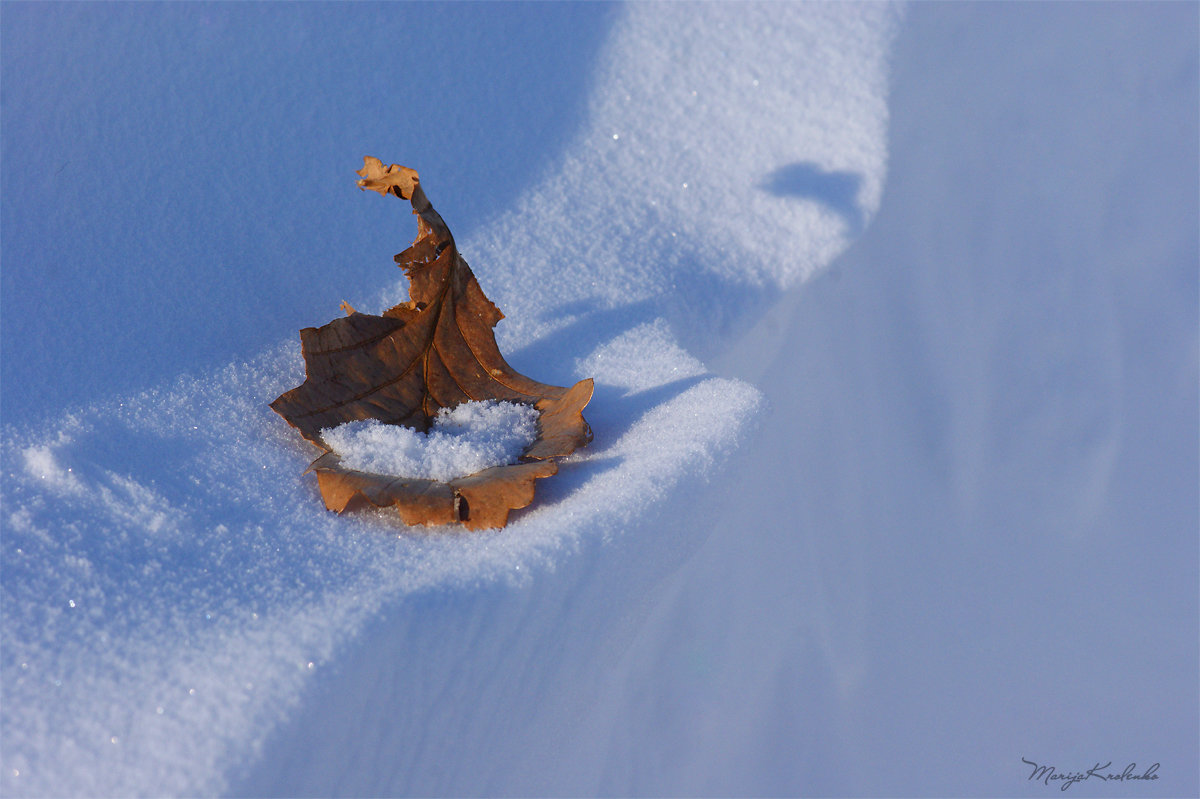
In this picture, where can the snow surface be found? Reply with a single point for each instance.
(883, 532)
(462, 440)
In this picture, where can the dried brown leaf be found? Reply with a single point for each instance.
(395, 179)
(435, 351)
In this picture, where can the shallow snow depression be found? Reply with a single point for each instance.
(464, 440)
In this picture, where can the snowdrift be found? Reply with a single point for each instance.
(892, 315)
(170, 586)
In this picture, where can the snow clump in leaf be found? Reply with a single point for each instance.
(462, 440)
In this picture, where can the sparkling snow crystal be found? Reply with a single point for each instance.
(470, 438)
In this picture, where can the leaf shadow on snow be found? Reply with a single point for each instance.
(616, 409)
(704, 314)
(554, 357)
(837, 190)
(616, 412)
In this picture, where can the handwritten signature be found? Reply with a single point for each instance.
(1050, 774)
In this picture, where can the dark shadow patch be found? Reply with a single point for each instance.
(836, 190)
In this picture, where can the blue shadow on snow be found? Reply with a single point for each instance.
(837, 190)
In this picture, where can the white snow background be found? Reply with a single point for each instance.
(893, 320)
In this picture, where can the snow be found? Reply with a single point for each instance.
(461, 441)
(893, 321)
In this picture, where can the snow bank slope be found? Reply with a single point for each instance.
(966, 532)
(729, 152)
(170, 583)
